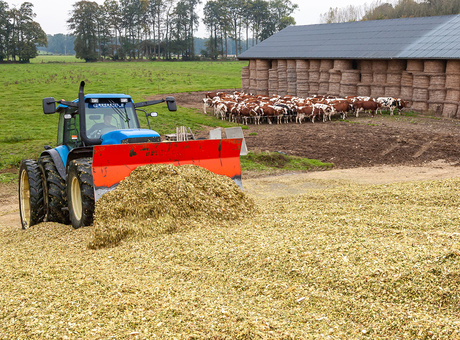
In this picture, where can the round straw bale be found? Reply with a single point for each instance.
(302, 64)
(363, 90)
(326, 64)
(434, 66)
(315, 64)
(414, 65)
(379, 78)
(392, 91)
(335, 76)
(348, 90)
(450, 110)
(158, 199)
(394, 78)
(379, 66)
(419, 106)
(324, 76)
(435, 108)
(323, 88)
(367, 78)
(377, 90)
(406, 92)
(282, 63)
(313, 76)
(245, 84)
(291, 64)
(421, 80)
(420, 94)
(453, 81)
(350, 77)
(314, 87)
(438, 81)
(262, 63)
(334, 89)
(437, 96)
(407, 79)
(365, 66)
(453, 95)
(453, 66)
(342, 64)
(396, 65)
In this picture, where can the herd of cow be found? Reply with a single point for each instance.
(243, 108)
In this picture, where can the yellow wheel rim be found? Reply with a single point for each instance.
(76, 198)
(25, 199)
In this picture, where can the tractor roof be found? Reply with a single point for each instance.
(97, 95)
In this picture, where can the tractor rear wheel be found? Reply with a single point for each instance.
(80, 192)
(31, 207)
(54, 191)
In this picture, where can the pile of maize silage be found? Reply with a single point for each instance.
(158, 199)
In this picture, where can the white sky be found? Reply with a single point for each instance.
(53, 14)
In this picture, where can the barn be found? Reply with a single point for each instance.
(416, 59)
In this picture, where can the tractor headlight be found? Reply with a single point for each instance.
(94, 100)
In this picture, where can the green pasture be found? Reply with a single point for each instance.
(25, 129)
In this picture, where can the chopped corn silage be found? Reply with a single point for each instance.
(157, 199)
(347, 262)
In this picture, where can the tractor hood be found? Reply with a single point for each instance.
(130, 136)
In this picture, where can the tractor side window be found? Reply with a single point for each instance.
(72, 132)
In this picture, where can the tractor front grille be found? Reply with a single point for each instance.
(141, 140)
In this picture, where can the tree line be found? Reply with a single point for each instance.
(384, 10)
(19, 33)
(133, 29)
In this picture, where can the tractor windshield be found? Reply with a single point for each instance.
(108, 115)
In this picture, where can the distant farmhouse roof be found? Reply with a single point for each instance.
(409, 38)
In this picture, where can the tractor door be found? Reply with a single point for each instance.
(69, 129)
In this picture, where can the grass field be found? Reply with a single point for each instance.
(349, 262)
(25, 129)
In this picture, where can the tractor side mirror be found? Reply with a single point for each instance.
(49, 105)
(171, 102)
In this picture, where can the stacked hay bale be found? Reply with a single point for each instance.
(420, 84)
(262, 67)
(364, 86)
(325, 66)
(159, 199)
(245, 79)
(349, 80)
(252, 75)
(394, 76)
(302, 77)
(291, 77)
(273, 79)
(451, 104)
(282, 77)
(407, 85)
(437, 88)
(313, 76)
(379, 78)
(335, 75)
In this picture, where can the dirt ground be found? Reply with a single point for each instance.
(365, 150)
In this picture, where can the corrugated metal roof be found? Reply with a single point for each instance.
(407, 38)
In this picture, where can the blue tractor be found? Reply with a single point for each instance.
(99, 143)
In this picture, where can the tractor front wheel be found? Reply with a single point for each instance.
(80, 192)
(31, 207)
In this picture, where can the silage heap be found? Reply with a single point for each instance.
(159, 199)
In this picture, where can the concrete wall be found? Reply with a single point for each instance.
(428, 85)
